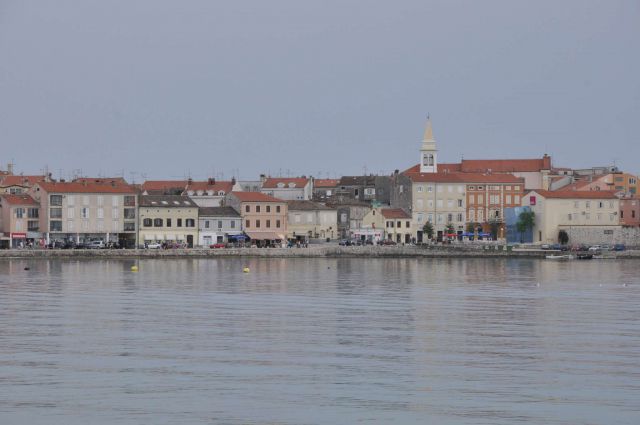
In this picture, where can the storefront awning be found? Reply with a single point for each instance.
(264, 236)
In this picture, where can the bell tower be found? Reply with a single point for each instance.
(428, 151)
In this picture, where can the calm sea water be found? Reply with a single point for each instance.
(319, 341)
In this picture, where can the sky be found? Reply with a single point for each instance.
(160, 89)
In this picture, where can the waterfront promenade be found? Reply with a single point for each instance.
(318, 251)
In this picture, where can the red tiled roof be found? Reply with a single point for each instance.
(71, 187)
(494, 165)
(21, 180)
(577, 194)
(506, 165)
(225, 186)
(272, 182)
(326, 182)
(164, 184)
(101, 180)
(255, 197)
(464, 178)
(19, 200)
(394, 213)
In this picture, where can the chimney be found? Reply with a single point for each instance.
(190, 181)
(263, 178)
(10, 169)
(233, 181)
(211, 181)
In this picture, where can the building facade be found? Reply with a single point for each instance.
(311, 220)
(571, 210)
(288, 188)
(168, 219)
(20, 221)
(86, 211)
(264, 218)
(218, 225)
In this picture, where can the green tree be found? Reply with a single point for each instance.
(526, 221)
(428, 229)
(449, 228)
(563, 237)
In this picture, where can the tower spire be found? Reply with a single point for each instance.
(428, 131)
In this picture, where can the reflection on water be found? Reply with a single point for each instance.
(319, 341)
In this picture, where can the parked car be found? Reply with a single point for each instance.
(545, 246)
(595, 248)
(559, 247)
(154, 245)
(388, 242)
(619, 247)
(345, 242)
(57, 243)
(95, 245)
(217, 245)
(606, 248)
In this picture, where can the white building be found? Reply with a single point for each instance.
(218, 225)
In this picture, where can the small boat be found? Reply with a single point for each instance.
(584, 256)
(559, 257)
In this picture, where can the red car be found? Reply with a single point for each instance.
(217, 245)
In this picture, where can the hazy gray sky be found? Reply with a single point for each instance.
(165, 88)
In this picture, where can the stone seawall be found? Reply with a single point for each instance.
(314, 251)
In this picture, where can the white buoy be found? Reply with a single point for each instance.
(245, 270)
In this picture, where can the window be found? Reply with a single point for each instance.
(55, 226)
(343, 217)
(440, 218)
(278, 209)
(439, 188)
(157, 222)
(247, 208)
(189, 222)
(508, 199)
(258, 224)
(600, 204)
(588, 204)
(450, 203)
(70, 199)
(516, 199)
(449, 218)
(219, 224)
(168, 222)
(407, 224)
(389, 223)
(115, 212)
(84, 212)
(129, 213)
(516, 188)
(100, 213)
(146, 222)
(480, 187)
(100, 200)
(460, 217)
(610, 204)
(599, 216)
(398, 224)
(420, 204)
(129, 226)
(19, 212)
(206, 224)
(569, 216)
(480, 199)
(56, 200)
(429, 188)
(430, 203)
(232, 224)
(33, 225)
(472, 188)
(257, 208)
(268, 208)
(100, 225)
(460, 189)
(507, 188)
(278, 224)
(430, 218)
(460, 203)
(296, 218)
(472, 199)
(268, 224)
(55, 213)
(449, 188)
(420, 217)
(33, 213)
(576, 204)
(179, 222)
(85, 200)
(310, 218)
(419, 189)
(129, 201)
(439, 203)
(69, 225)
(246, 224)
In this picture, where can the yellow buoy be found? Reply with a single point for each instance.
(245, 270)
(134, 268)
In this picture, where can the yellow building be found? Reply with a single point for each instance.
(170, 219)
(395, 224)
(570, 208)
(311, 220)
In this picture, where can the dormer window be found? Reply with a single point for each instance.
(292, 185)
(200, 193)
(280, 185)
(210, 192)
(221, 192)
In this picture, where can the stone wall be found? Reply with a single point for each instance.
(599, 235)
(312, 251)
